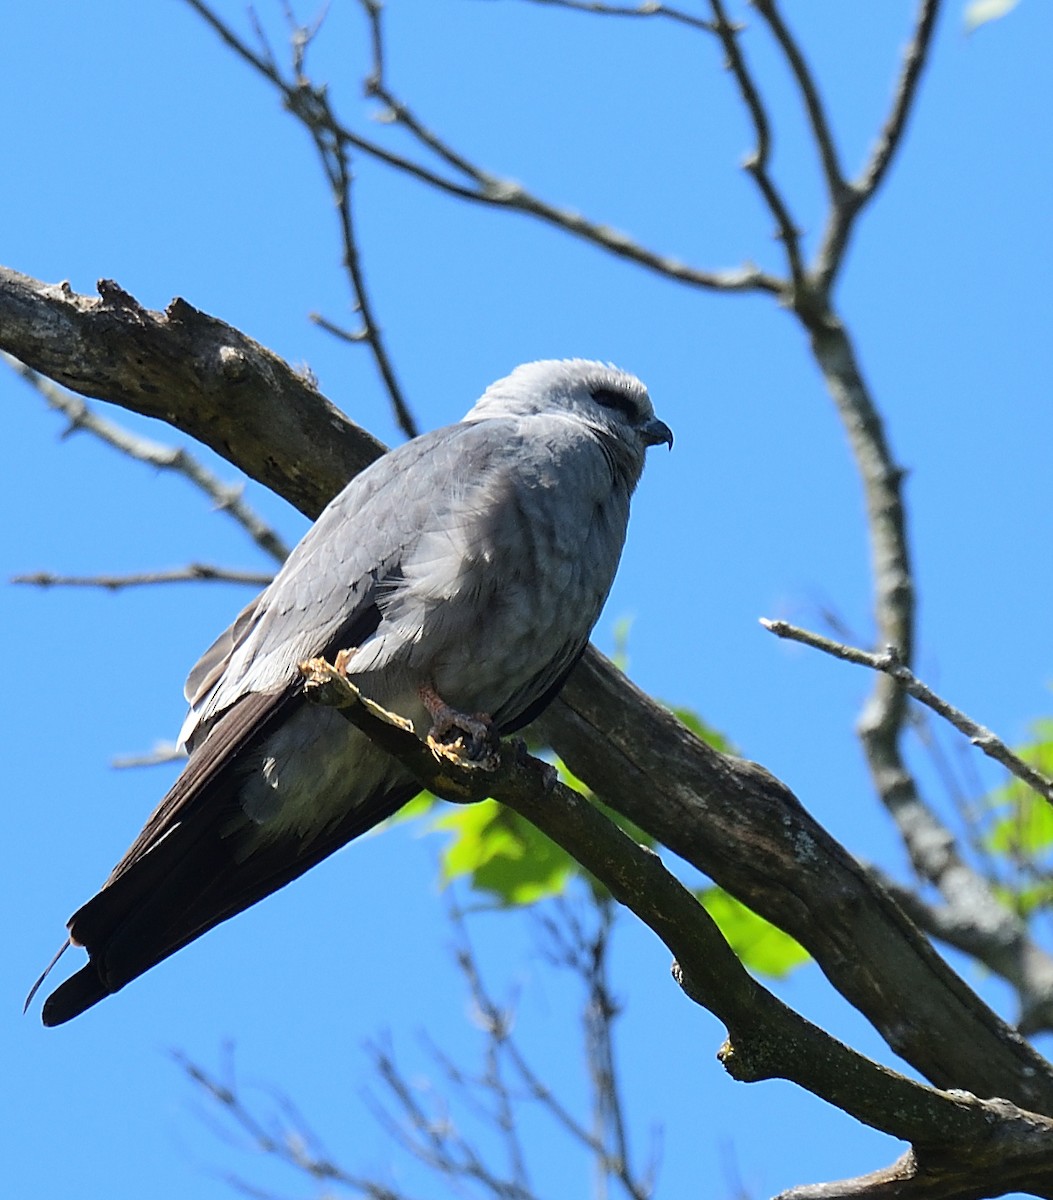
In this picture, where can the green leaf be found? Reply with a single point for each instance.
(760, 946)
(502, 854)
(419, 806)
(1026, 901)
(1024, 820)
(979, 12)
(709, 735)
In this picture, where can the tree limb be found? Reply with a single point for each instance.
(194, 372)
(749, 833)
(983, 1143)
(192, 573)
(226, 497)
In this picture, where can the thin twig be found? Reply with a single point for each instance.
(159, 756)
(756, 163)
(346, 335)
(289, 1143)
(855, 196)
(192, 573)
(892, 665)
(817, 118)
(490, 190)
(82, 416)
(890, 138)
(435, 1140)
(497, 1025)
(647, 9)
(333, 153)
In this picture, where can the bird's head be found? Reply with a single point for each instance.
(613, 404)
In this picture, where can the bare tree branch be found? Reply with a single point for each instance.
(982, 1142)
(892, 665)
(852, 200)
(806, 84)
(649, 8)
(756, 162)
(995, 937)
(585, 951)
(162, 753)
(226, 497)
(192, 573)
(747, 832)
(287, 1141)
(915, 57)
(921, 1175)
(479, 186)
(335, 159)
(434, 1138)
(194, 372)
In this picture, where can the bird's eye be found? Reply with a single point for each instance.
(619, 401)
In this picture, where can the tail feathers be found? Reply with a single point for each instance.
(71, 998)
(200, 873)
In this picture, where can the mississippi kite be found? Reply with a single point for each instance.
(463, 571)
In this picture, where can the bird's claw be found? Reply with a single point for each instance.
(463, 738)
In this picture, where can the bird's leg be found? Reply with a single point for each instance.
(476, 732)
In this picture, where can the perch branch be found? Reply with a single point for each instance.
(983, 1139)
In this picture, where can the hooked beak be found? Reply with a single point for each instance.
(655, 432)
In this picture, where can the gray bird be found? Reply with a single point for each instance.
(464, 571)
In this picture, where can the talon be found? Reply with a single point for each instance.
(472, 736)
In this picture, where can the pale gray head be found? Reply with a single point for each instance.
(613, 404)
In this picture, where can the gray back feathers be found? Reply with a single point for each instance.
(458, 551)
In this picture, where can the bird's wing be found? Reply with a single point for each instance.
(199, 860)
(331, 581)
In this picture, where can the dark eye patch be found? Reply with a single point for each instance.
(619, 401)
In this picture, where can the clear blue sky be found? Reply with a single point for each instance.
(136, 148)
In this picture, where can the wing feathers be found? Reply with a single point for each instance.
(198, 861)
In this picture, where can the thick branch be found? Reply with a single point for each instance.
(749, 833)
(766, 1038)
(1021, 1161)
(977, 925)
(193, 372)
